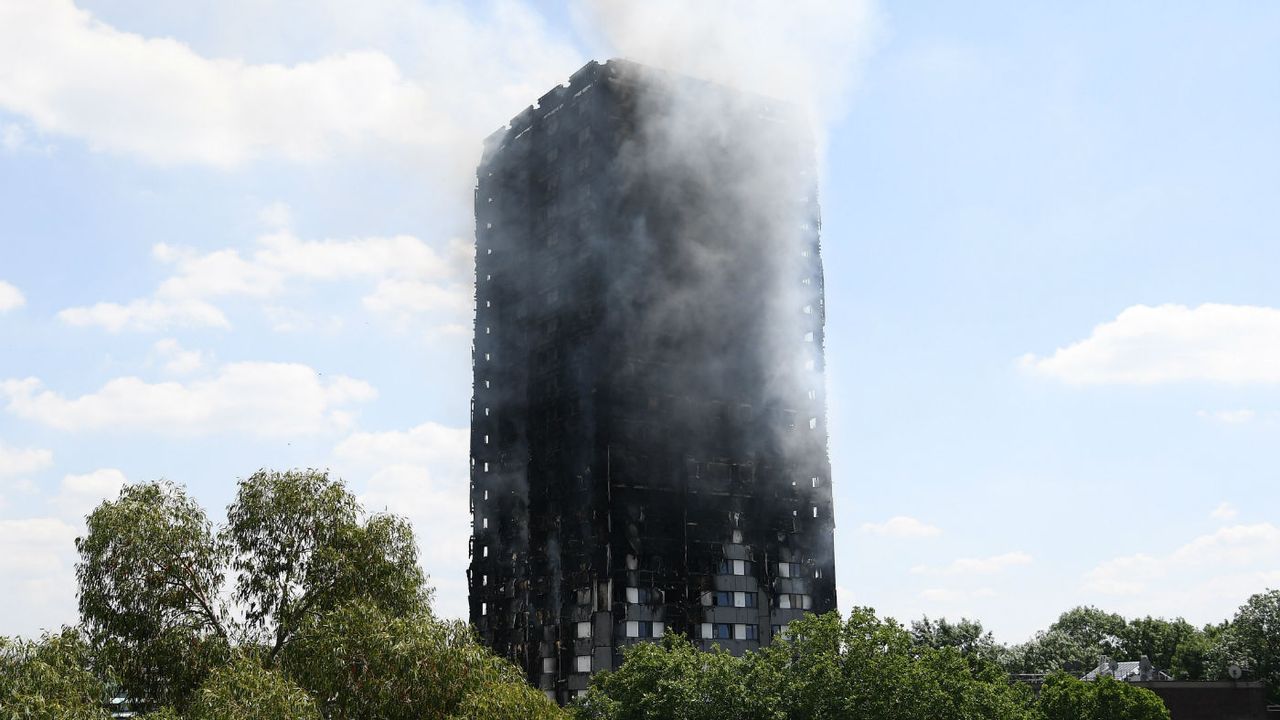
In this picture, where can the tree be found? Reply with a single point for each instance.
(967, 636)
(1169, 644)
(1252, 640)
(150, 574)
(364, 663)
(244, 690)
(1076, 640)
(152, 571)
(300, 550)
(49, 679)
(673, 679)
(1063, 697)
(863, 668)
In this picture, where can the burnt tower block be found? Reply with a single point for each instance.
(648, 433)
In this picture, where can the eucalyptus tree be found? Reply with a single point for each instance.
(166, 597)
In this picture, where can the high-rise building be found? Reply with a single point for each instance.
(648, 436)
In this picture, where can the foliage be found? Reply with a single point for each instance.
(1082, 635)
(150, 573)
(244, 690)
(364, 663)
(1252, 640)
(864, 667)
(300, 550)
(1065, 698)
(676, 680)
(49, 679)
(966, 636)
(1167, 643)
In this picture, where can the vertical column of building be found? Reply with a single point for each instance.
(802, 568)
(499, 570)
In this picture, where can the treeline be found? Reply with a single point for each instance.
(1075, 642)
(300, 605)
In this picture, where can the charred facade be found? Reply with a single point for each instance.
(649, 442)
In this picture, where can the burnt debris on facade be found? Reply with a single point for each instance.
(648, 435)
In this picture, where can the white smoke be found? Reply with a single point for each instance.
(806, 52)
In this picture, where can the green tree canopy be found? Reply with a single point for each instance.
(1065, 698)
(49, 679)
(245, 690)
(967, 636)
(300, 549)
(860, 668)
(365, 663)
(153, 572)
(1167, 643)
(1252, 640)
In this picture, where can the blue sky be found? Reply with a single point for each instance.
(236, 235)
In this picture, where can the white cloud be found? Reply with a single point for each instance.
(1224, 511)
(19, 461)
(423, 474)
(157, 99)
(901, 526)
(1145, 345)
(1234, 551)
(977, 566)
(412, 278)
(427, 444)
(271, 399)
(276, 216)
(10, 297)
(80, 494)
(176, 359)
(145, 315)
(36, 560)
(1228, 417)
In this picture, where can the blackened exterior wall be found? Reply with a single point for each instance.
(649, 442)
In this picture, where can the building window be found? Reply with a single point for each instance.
(549, 666)
(584, 629)
(746, 632)
(734, 567)
(582, 663)
(795, 601)
(644, 629)
(788, 570)
(717, 631)
(638, 595)
(736, 537)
